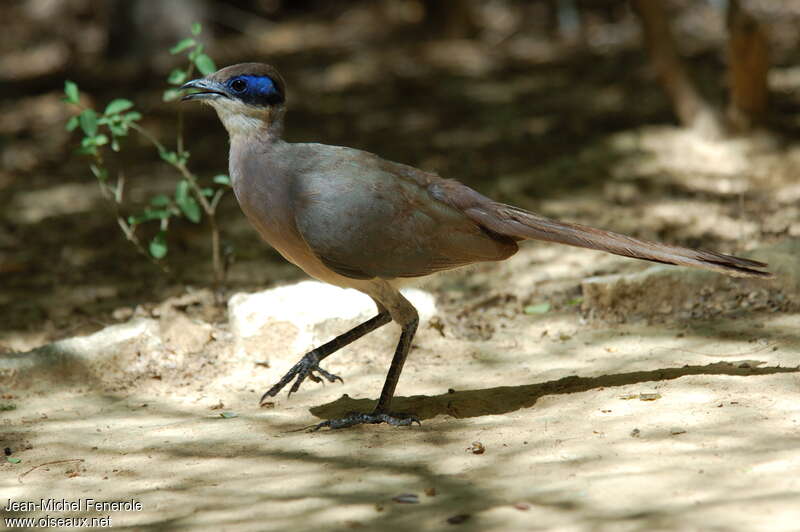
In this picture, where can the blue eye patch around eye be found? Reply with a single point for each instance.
(260, 90)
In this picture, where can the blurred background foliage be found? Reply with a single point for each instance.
(524, 100)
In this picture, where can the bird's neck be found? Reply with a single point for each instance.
(265, 125)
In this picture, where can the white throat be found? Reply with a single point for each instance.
(240, 119)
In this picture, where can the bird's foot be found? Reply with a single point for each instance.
(308, 366)
(359, 418)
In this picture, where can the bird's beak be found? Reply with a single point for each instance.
(207, 90)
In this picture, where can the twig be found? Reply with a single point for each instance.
(34, 468)
(179, 140)
(114, 197)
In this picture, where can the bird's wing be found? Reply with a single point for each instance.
(366, 217)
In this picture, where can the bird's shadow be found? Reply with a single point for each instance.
(504, 399)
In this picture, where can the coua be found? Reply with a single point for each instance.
(352, 219)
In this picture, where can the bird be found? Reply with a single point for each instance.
(355, 220)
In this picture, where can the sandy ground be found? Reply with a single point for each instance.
(662, 400)
(672, 421)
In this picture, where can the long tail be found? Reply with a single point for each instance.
(520, 224)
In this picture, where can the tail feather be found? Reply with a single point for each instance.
(520, 224)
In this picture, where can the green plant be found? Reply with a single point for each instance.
(191, 199)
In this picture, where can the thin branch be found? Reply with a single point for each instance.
(215, 200)
(179, 140)
(114, 197)
(34, 468)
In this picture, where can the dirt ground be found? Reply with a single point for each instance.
(606, 412)
(562, 389)
(676, 426)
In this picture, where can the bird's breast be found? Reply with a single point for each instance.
(263, 189)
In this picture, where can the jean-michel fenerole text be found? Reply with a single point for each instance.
(77, 505)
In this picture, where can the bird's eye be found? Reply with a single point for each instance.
(239, 85)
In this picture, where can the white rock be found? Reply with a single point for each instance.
(300, 316)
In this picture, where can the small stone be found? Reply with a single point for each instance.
(406, 498)
(476, 448)
(635, 433)
(122, 313)
(677, 430)
(458, 519)
(430, 492)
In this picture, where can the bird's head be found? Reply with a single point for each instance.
(249, 97)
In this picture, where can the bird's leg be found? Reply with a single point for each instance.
(309, 364)
(381, 414)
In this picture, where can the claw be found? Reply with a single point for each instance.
(307, 367)
(359, 418)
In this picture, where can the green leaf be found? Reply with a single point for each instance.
(181, 191)
(176, 77)
(88, 122)
(87, 150)
(115, 144)
(540, 308)
(222, 179)
(191, 209)
(575, 301)
(72, 123)
(195, 53)
(158, 246)
(170, 95)
(182, 45)
(159, 214)
(205, 64)
(131, 117)
(160, 200)
(228, 415)
(13, 460)
(71, 92)
(186, 202)
(100, 140)
(169, 156)
(118, 130)
(207, 192)
(196, 28)
(7, 407)
(117, 106)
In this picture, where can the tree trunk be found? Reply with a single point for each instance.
(452, 19)
(748, 64)
(692, 110)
